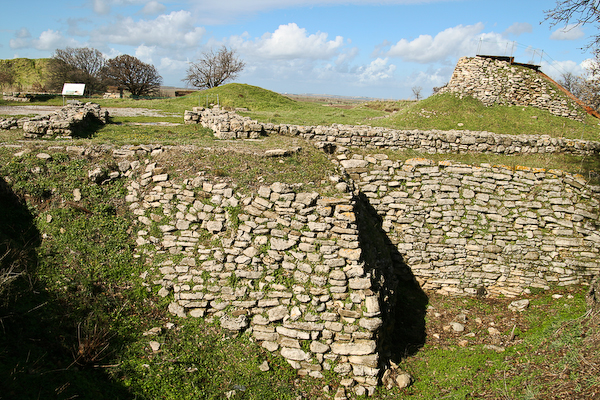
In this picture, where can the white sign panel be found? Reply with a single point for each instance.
(73, 89)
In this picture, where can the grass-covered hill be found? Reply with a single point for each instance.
(29, 74)
(443, 112)
(79, 319)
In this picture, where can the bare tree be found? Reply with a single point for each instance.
(214, 69)
(417, 92)
(573, 83)
(77, 65)
(577, 12)
(139, 78)
(589, 91)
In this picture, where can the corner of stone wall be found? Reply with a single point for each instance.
(286, 267)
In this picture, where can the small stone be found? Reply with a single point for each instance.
(176, 309)
(214, 226)
(76, 195)
(519, 305)
(403, 380)
(270, 346)
(234, 324)
(457, 327)
(493, 331)
(294, 354)
(360, 390)
(340, 394)
(154, 331)
(44, 156)
(97, 175)
(277, 313)
(264, 367)
(295, 313)
(155, 346)
(497, 349)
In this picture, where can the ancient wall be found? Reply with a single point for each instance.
(494, 229)
(494, 81)
(71, 120)
(286, 266)
(315, 278)
(229, 125)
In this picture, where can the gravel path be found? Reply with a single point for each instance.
(114, 112)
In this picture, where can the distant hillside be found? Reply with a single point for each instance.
(30, 74)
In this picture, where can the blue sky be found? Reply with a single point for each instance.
(372, 48)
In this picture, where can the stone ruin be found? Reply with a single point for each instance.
(16, 96)
(494, 80)
(69, 121)
(224, 124)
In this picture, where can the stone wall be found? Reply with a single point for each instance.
(74, 119)
(494, 81)
(224, 124)
(315, 278)
(21, 98)
(283, 264)
(229, 125)
(489, 229)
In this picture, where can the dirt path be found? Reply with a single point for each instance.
(115, 112)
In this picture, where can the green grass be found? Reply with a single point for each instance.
(549, 340)
(198, 361)
(29, 73)
(447, 111)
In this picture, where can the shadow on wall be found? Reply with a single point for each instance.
(402, 301)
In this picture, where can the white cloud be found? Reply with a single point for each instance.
(557, 68)
(377, 70)
(176, 29)
(145, 53)
(19, 43)
(569, 32)
(22, 33)
(450, 43)
(49, 40)
(519, 28)
(153, 8)
(290, 42)
(101, 6)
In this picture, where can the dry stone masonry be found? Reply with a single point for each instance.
(282, 264)
(495, 81)
(71, 120)
(224, 124)
(229, 125)
(489, 229)
(314, 278)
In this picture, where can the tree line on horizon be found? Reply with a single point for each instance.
(89, 66)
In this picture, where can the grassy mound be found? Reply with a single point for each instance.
(30, 74)
(447, 111)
